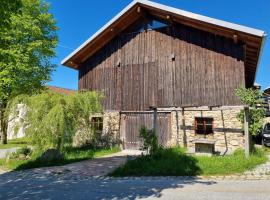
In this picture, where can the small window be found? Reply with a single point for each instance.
(97, 124)
(203, 125)
(141, 26)
(155, 24)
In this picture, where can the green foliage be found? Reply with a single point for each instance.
(7, 8)
(27, 41)
(24, 150)
(26, 49)
(20, 142)
(251, 98)
(53, 119)
(21, 153)
(16, 129)
(175, 162)
(256, 120)
(231, 164)
(150, 141)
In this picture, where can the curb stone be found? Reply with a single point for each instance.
(78, 177)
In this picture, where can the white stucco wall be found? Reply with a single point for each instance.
(16, 125)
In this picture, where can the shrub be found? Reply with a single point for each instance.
(150, 141)
(21, 153)
(24, 150)
(251, 98)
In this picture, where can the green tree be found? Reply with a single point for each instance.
(27, 42)
(6, 9)
(252, 97)
(53, 119)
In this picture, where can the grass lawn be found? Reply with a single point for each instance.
(20, 142)
(71, 155)
(175, 162)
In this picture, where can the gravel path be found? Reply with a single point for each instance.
(261, 169)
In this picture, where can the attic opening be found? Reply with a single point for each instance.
(146, 24)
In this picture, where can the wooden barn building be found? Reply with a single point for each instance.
(184, 64)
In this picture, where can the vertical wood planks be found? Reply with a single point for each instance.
(206, 70)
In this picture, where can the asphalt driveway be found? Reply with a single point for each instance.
(42, 187)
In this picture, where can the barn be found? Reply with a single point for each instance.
(184, 65)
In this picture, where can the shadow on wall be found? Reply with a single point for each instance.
(25, 185)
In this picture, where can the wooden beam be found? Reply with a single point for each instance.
(235, 39)
(253, 62)
(247, 135)
(139, 9)
(155, 119)
(184, 128)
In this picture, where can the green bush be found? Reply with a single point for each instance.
(150, 141)
(251, 98)
(24, 150)
(21, 153)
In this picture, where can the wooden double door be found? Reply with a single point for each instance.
(132, 122)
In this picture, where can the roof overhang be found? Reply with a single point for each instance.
(253, 38)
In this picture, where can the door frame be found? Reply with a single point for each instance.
(123, 115)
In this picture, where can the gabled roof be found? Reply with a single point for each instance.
(253, 38)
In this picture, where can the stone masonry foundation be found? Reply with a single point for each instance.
(227, 135)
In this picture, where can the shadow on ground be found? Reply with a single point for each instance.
(165, 162)
(29, 185)
(85, 180)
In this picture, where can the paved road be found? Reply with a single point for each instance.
(29, 186)
(4, 152)
(76, 181)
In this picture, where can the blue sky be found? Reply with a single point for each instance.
(79, 19)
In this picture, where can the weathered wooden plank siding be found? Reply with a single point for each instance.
(131, 123)
(135, 70)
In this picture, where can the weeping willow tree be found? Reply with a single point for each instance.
(53, 119)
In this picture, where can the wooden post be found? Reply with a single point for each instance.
(155, 123)
(247, 136)
(177, 126)
(184, 128)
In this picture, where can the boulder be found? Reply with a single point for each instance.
(51, 155)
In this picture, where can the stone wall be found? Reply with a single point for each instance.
(110, 132)
(228, 135)
(111, 123)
